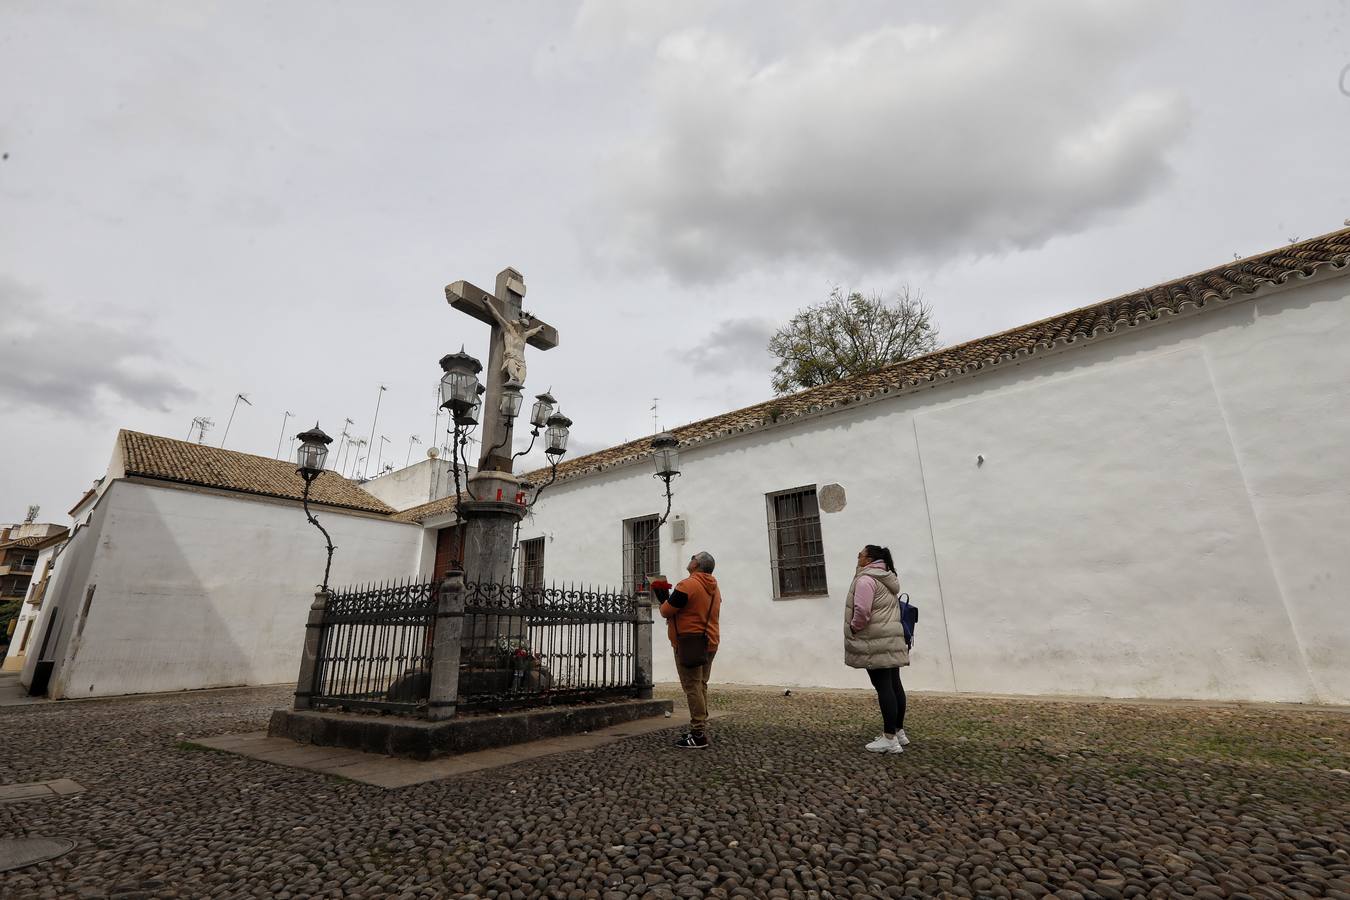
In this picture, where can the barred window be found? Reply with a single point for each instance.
(641, 551)
(796, 550)
(532, 564)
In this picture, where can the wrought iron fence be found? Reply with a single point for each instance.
(533, 646)
(375, 647)
(519, 646)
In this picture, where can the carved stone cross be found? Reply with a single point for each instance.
(511, 330)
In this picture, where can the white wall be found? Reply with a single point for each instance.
(422, 482)
(1161, 514)
(195, 590)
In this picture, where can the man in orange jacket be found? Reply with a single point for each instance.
(691, 612)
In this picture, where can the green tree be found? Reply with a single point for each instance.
(850, 335)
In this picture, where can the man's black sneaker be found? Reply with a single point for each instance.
(692, 741)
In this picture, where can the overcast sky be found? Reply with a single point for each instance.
(199, 199)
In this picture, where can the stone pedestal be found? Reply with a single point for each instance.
(309, 656)
(490, 526)
(444, 690)
(644, 646)
(489, 536)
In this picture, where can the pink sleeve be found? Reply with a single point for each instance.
(862, 603)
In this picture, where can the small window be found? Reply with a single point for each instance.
(641, 551)
(796, 550)
(532, 564)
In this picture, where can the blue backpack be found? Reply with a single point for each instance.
(909, 617)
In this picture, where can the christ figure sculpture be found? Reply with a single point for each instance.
(515, 331)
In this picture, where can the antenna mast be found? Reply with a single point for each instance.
(289, 415)
(375, 421)
(237, 398)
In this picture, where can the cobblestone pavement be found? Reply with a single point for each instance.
(996, 798)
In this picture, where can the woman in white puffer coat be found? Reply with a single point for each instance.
(874, 639)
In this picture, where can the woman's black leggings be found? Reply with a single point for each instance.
(891, 696)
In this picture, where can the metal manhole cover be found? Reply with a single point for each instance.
(15, 853)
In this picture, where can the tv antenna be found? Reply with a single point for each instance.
(358, 443)
(380, 461)
(237, 398)
(412, 440)
(284, 419)
(373, 422)
(201, 424)
(344, 442)
(656, 429)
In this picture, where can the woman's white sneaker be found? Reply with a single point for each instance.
(902, 738)
(884, 744)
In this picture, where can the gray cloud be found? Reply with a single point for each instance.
(65, 364)
(734, 345)
(996, 133)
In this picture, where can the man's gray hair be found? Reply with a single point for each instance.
(705, 561)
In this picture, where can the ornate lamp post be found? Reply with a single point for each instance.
(666, 453)
(311, 456)
(461, 394)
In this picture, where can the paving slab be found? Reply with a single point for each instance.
(12, 693)
(39, 790)
(397, 772)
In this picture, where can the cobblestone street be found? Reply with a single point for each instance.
(995, 798)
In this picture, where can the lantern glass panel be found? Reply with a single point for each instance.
(511, 402)
(539, 415)
(668, 461)
(475, 412)
(557, 438)
(464, 386)
(312, 456)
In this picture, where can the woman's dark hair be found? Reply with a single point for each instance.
(880, 553)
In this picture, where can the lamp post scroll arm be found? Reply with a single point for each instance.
(304, 500)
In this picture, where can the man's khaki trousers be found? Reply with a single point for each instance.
(694, 680)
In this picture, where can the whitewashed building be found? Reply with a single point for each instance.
(194, 567)
(1145, 497)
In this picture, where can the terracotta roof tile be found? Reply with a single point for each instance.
(420, 514)
(35, 541)
(1203, 289)
(166, 459)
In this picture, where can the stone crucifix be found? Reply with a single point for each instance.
(512, 329)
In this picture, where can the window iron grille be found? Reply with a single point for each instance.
(641, 551)
(797, 550)
(532, 564)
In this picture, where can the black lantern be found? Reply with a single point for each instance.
(310, 457)
(557, 434)
(312, 453)
(459, 384)
(543, 408)
(666, 452)
(511, 400)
